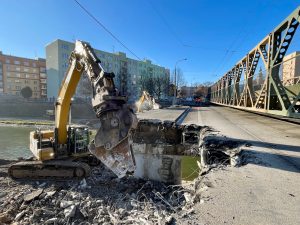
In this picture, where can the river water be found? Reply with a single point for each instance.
(14, 142)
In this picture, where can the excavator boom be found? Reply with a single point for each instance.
(111, 144)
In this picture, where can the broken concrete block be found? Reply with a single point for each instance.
(50, 193)
(84, 212)
(20, 215)
(64, 204)
(51, 221)
(188, 197)
(33, 195)
(70, 211)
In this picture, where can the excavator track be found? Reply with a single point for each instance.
(50, 170)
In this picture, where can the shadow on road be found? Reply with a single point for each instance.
(268, 159)
(271, 155)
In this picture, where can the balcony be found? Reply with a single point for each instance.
(43, 75)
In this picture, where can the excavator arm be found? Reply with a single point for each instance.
(111, 144)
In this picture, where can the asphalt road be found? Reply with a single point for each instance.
(162, 114)
(265, 191)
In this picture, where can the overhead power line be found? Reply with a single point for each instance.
(176, 36)
(105, 28)
(171, 30)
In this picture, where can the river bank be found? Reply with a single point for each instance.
(26, 122)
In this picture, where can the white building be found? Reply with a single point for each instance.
(128, 71)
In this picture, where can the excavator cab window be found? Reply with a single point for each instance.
(79, 139)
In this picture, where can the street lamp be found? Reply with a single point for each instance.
(175, 77)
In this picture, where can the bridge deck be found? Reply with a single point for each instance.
(265, 191)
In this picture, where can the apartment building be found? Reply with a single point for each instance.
(17, 73)
(128, 71)
(291, 68)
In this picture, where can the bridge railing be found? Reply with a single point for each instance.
(264, 79)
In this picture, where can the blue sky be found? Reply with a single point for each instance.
(211, 34)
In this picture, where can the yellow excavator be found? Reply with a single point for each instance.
(146, 102)
(63, 152)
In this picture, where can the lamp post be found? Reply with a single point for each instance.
(175, 77)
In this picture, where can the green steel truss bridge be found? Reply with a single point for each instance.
(267, 89)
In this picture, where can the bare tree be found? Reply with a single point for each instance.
(202, 89)
(155, 85)
(180, 80)
(160, 85)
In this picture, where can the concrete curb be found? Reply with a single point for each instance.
(182, 116)
(276, 117)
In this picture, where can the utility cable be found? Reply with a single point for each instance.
(175, 35)
(105, 28)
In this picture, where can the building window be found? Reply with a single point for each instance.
(35, 82)
(8, 74)
(26, 63)
(34, 64)
(8, 67)
(17, 81)
(26, 81)
(18, 69)
(17, 62)
(65, 46)
(42, 69)
(65, 56)
(7, 61)
(18, 75)
(27, 76)
(35, 88)
(34, 70)
(25, 69)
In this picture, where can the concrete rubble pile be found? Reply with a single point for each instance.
(217, 150)
(99, 199)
